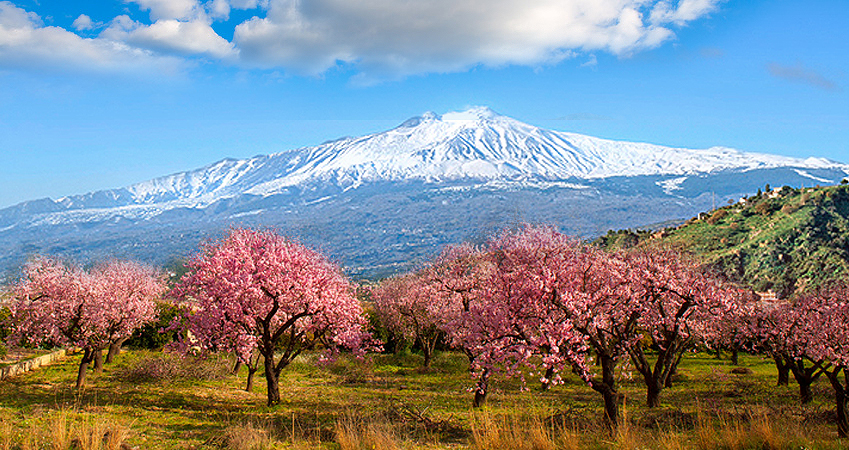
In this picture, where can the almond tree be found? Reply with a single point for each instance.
(257, 289)
(405, 306)
(61, 305)
(781, 330)
(457, 281)
(826, 330)
(131, 289)
(678, 303)
(560, 304)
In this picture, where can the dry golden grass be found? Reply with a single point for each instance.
(491, 432)
(60, 432)
(355, 434)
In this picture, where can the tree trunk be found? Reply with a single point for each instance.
(482, 389)
(783, 371)
(428, 355)
(840, 399)
(98, 360)
(114, 350)
(549, 374)
(735, 356)
(271, 379)
(608, 390)
(805, 394)
(718, 352)
(237, 366)
(842, 425)
(653, 394)
(88, 355)
(250, 386)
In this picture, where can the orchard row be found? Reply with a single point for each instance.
(531, 301)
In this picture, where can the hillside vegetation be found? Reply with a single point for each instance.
(785, 240)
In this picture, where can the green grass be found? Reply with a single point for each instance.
(386, 401)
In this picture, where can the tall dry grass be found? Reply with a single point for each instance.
(61, 431)
(490, 432)
(357, 434)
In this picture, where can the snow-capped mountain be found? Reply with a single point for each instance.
(477, 144)
(419, 168)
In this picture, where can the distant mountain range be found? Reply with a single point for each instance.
(381, 202)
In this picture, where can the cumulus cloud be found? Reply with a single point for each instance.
(82, 23)
(800, 74)
(450, 35)
(382, 38)
(170, 9)
(26, 43)
(170, 36)
(685, 11)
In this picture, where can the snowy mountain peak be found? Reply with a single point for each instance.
(471, 114)
(475, 145)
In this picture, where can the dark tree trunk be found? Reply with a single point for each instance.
(428, 355)
(805, 376)
(783, 371)
(840, 399)
(98, 361)
(805, 394)
(272, 377)
(718, 352)
(482, 389)
(735, 356)
(549, 374)
(250, 385)
(653, 394)
(237, 366)
(114, 350)
(608, 390)
(88, 355)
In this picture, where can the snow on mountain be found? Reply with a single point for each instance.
(477, 144)
(381, 202)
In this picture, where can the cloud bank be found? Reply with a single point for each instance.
(377, 38)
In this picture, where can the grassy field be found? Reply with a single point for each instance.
(148, 400)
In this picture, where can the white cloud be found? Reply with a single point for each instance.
(220, 9)
(26, 43)
(83, 22)
(395, 37)
(170, 9)
(378, 38)
(171, 36)
(685, 11)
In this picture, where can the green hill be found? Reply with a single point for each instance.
(786, 240)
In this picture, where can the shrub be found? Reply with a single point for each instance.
(718, 215)
(172, 367)
(154, 336)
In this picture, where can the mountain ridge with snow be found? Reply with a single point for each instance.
(477, 144)
(384, 199)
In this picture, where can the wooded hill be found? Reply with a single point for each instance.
(786, 240)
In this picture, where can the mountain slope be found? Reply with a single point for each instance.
(786, 240)
(385, 199)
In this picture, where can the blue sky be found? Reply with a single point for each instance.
(102, 94)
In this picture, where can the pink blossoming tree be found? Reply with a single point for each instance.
(257, 289)
(678, 304)
(404, 305)
(826, 330)
(63, 305)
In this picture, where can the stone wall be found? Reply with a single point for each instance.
(34, 363)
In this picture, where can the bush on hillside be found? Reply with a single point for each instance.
(156, 335)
